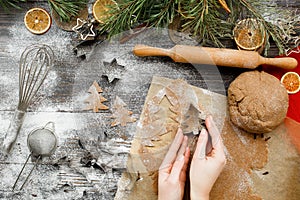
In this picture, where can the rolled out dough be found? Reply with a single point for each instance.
(248, 174)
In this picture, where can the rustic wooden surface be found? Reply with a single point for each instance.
(90, 157)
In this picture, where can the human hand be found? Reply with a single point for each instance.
(205, 169)
(172, 172)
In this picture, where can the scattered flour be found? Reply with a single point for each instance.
(59, 42)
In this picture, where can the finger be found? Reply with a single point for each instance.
(200, 152)
(209, 146)
(180, 159)
(216, 137)
(182, 147)
(164, 173)
(172, 152)
(213, 131)
(186, 162)
(187, 155)
(178, 167)
(182, 176)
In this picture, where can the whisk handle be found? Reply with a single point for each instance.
(13, 130)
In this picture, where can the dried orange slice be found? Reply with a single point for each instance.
(101, 9)
(291, 81)
(249, 34)
(37, 20)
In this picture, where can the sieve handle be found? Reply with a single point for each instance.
(13, 130)
(50, 126)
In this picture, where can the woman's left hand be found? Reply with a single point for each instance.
(172, 172)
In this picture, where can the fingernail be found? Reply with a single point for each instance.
(179, 130)
(202, 154)
(203, 132)
(209, 121)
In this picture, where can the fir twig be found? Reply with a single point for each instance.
(6, 4)
(204, 19)
(158, 13)
(67, 8)
(162, 13)
(122, 17)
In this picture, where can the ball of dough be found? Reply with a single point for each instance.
(258, 102)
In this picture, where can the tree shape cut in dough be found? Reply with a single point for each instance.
(95, 99)
(121, 115)
(154, 130)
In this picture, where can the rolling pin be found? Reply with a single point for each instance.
(215, 56)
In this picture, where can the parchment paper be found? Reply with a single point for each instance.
(265, 167)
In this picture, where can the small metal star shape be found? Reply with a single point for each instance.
(112, 70)
(84, 29)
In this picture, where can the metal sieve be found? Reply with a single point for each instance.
(41, 142)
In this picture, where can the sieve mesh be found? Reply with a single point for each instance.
(42, 142)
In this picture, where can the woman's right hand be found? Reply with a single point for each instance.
(205, 168)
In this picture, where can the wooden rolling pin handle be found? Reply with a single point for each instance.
(178, 53)
(284, 63)
(144, 50)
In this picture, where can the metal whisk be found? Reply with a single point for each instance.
(35, 63)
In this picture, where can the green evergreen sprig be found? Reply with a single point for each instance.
(7, 4)
(121, 17)
(205, 19)
(67, 8)
(160, 13)
(156, 13)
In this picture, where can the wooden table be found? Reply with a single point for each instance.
(91, 154)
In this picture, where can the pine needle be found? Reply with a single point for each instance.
(7, 4)
(67, 8)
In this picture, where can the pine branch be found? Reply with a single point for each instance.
(122, 17)
(67, 8)
(205, 21)
(7, 4)
(157, 13)
(162, 13)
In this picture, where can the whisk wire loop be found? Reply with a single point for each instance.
(35, 63)
(34, 71)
